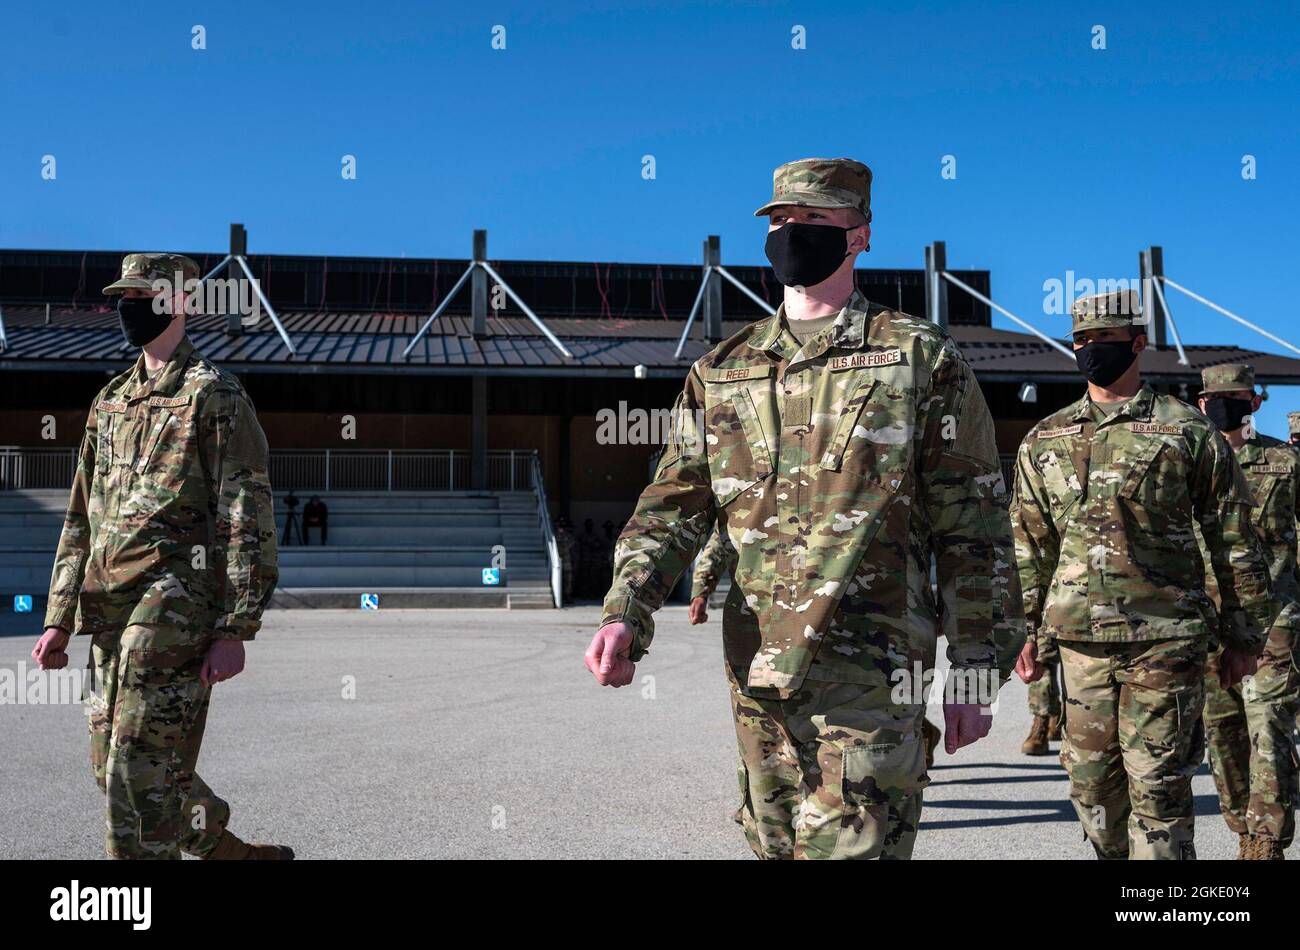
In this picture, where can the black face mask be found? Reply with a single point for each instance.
(140, 325)
(803, 255)
(1103, 363)
(1227, 414)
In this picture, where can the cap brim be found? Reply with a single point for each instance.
(801, 199)
(127, 283)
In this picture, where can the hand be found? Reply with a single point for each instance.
(224, 661)
(1234, 666)
(51, 650)
(607, 657)
(965, 723)
(699, 611)
(1027, 666)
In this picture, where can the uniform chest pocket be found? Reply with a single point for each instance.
(873, 434)
(108, 424)
(737, 448)
(165, 432)
(1157, 478)
(1060, 481)
(1272, 493)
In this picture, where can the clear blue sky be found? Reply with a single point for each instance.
(1068, 158)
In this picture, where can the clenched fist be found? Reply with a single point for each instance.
(51, 650)
(607, 657)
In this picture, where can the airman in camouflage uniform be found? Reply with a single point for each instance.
(1107, 494)
(837, 468)
(1045, 707)
(1248, 727)
(168, 548)
(1293, 427)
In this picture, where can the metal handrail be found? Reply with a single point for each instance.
(327, 470)
(548, 532)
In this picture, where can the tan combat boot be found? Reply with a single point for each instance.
(1245, 846)
(1036, 743)
(231, 848)
(1267, 849)
(929, 733)
(1054, 728)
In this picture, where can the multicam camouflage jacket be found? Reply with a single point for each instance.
(170, 518)
(1103, 511)
(1272, 470)
(714, 562)
(837, 470)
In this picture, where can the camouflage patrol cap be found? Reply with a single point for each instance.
(141, 270)
(821, 183)
(1227, 378)
(1120, 308)
(1293, 423)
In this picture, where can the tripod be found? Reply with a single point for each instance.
(292, 526)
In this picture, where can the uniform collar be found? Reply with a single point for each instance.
(169, 377)
(1139, 406)
(848, 331)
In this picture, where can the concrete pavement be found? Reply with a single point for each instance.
(479, 733)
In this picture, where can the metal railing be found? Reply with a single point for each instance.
(22, 467)
(548, 531)
(313, 469)
(395, 470)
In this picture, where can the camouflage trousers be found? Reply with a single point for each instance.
(1132, 739)
(1252, 754)
(836, 771)
(1045, 692)
(147, 711)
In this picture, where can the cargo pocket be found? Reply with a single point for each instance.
(876, 780)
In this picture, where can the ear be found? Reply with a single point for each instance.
(1256, 401)
(1200, 401)
(1139, 343)
(860, 238)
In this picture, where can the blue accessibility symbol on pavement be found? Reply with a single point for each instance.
(369, 601)
(491, 575)
(22, 603)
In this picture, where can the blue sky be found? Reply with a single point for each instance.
(1068, 158)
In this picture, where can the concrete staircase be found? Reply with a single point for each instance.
(418, 549)
(414, 549)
